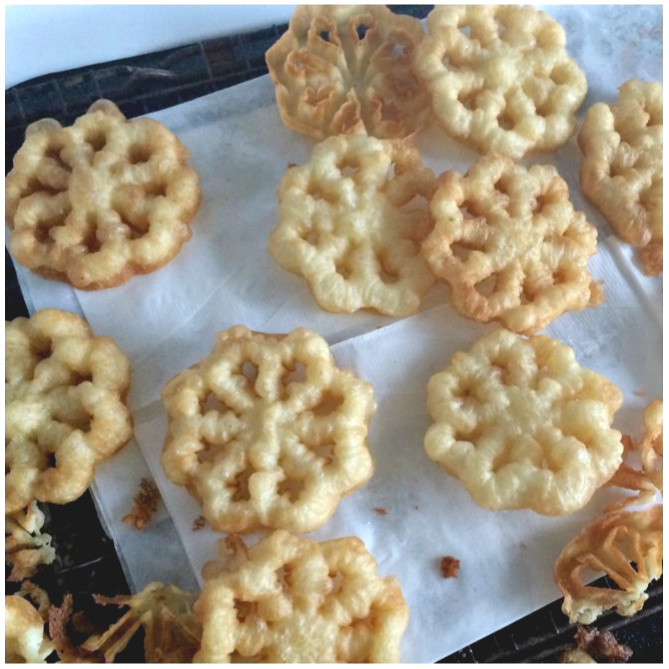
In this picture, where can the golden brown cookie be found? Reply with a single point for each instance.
(94, 203)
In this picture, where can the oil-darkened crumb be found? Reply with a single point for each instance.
(449, 567)
(381, 511)
(601, 645)
(199, 523)
(145, 505)
(640, 393)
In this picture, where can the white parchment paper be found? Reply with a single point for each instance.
(167, 321)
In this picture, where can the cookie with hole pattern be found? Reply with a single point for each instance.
(293, 599)
(351, 222)
(65, 407)
(510, 244)
(267, 432)
(500, 78)
(347, 69)
(522, 425)
(621, 171)
(97, 202)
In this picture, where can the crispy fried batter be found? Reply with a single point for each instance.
(351, 221)
(648, 477)
(291, 599)
(26, 547)
(627, 546)
(144, 506)
(65, 408)
(510, 244)
(267, 431)
(622, 166)
(171, 632)
(601, 644)
(347, 70)
(97, 202)
(25, 640)
(500, 78)
(449, 566)
(522, 425)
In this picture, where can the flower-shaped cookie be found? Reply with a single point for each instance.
(522, 425)
(622, 166)
(65, 409)
(97, 202)
(500, 78)
(291, 599)
(351, 221)
(627, 546)
(347, 69)
(510, 244)
(267, 432)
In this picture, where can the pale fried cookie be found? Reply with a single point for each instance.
(627, 546)
(346, 69)
(510, 244)
(622, 166)
(65, 409)
(500, 78)
(267, 432)
(522, 425)
(291, 599)
(97, 202)
(25, 641)
(351, 221)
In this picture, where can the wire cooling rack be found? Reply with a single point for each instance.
(87, 562)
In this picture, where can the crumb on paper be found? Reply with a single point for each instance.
(199, 523)
(381, 511)
(640, 393)
(145, 505)
(449, 567)
(601, 645)
(291, 164)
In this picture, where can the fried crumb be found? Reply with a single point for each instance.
(449, 567)
(292, 165)
(199, 523)
(145, 505)
(601, 645)
(575, 656)
(381, 511)
(640, 393)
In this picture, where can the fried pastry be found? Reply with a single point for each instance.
(94, 203)
(627, 546)
(292, 599)
(347, 69)
(510, 244)
(351, 221)
(26, 546)
(65, 407)
(25, 641)
(267, 431)
(500, 78)
(522, 425)
(622, 166)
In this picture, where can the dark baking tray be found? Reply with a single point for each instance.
(87, 561)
